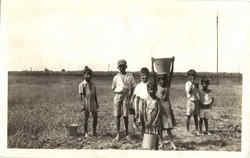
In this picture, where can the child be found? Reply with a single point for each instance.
(123, 86)
(87, 91)
(167, 115)
(192, 94)
(205, 105)
(139, 97)
(152, 112)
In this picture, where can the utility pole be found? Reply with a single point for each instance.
(217, 42)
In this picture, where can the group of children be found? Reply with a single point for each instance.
(148, 102)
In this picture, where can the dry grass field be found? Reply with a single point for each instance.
(39, 108)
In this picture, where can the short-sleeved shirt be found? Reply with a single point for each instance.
(194, 94)
(141, 90)
(123, 83)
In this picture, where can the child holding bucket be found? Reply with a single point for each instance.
(87, 91)
(164, 71)
(206, 102)
(139, 97)
(152, 120)
(193, 97)
(167, 116)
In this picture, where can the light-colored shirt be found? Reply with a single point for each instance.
(192, 93)
(81, 86)
(141, 90)
(123, 82)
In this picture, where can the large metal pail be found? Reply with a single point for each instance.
(149, 141)
(162, 65)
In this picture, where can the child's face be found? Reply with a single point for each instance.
(151, 90)
(204, 85)
(144, 77)
(192, 78)
(162, 80)
(122, 68)
(87, 76)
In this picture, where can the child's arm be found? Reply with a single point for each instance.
(150, 118)
(96, 100)
(113, 84)
(171, 73)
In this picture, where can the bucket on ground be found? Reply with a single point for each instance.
(72, 129)
(150, 141)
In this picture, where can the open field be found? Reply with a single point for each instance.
(39, 108)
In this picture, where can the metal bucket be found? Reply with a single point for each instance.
(150, 141)
(72, 129)
(162, 65)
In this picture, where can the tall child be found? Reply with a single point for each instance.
(139, 97)
(87, 91)
(193, 97)
(123, 86)
(167, 115)
(206, 102)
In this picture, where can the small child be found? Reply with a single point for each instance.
(87, 91)
(139, 97)
(152, 113)
(193, 97)
(167, 115)
(206, 102)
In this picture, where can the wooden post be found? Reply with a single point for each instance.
(217, 42)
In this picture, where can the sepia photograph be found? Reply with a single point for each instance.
(127, 75)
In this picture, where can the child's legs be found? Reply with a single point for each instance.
(206, 124)
(196, 121)
(117, 110)
(188, 122)
(142, 125)
(86, 121)
(201, 123)
(95, 118)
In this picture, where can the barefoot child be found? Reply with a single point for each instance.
(87, 91)
(139, 97)
(152, 113)
(192, 95)
(167, 115)
(206, 102)
(123, 86)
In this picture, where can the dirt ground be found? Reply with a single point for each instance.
(40, 108)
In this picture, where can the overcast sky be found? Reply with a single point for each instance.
(60, 34)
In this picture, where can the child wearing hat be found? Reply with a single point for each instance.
(139, 97)
(206, 102)
(87, 91)
(123, 86)
(193, 97)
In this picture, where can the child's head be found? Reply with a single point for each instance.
(122, 65)
(144, 74)
(204, 83)
(191, 74)
(87, 73)
(151, 87)
(163, 79)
